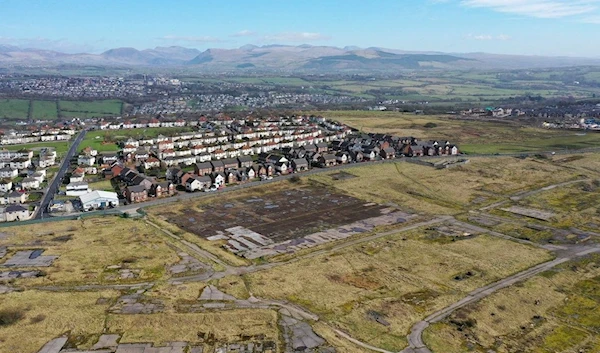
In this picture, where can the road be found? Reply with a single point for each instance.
(53, 187)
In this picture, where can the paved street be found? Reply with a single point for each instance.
(53, 187)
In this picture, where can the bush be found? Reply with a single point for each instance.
(38, 318)
(10, 316)
(430, 125)
(295, 179)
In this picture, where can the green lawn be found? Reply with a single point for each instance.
(61, 147)
(90, 109)
(14, 108)
(104, 185)
(44, 110)
(106, 140)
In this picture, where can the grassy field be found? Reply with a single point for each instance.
(90, 109)
(227, 326)
(47, 315)
(61, 147)
(101, 185)
(106, 140)
(44, 110)
(472, 137)
(402, 277)
(88, 247)
(555, 311)
(14, 108)
(448, 191)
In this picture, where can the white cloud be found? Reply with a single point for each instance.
(244, 33)
(296, 37)
(190, 39)
(538, 8)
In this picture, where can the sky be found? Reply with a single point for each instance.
(530, 27)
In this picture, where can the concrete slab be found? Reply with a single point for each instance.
(24, 259)
(54, 346)
(107, 341)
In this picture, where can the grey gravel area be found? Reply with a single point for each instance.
(54, 346)
(30, 258)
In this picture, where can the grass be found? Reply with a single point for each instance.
(226, 326)
(555, 311)
(90, 109)
(47, 315)
(44, 110)
(14, 108)
(101, 185)
(404, 277)
(448, 191)
(106, 140)
(61, 147)
(86, 249)
(481, 137)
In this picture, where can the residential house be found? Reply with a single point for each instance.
(15, 213)
(387, 153)
(20, 163)
(163, 189)
(230, 163)
(327, 160)
(342, 157)
(86, 160)
(218, 179)
(8, 172)
(203, 168)
(136, 193)
(218, 166)
(77, 175)
(5, 185)
(17, 197)
(245, 161)
(151, 162)
(30, 183)
(300, 165)
(77, 189)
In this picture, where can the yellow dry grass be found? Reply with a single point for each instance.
(543, 314)
(234, 285)
(447, 191)
(93, 244)
(404, 279)
(226, 326)
(73, 313)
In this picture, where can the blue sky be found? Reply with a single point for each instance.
(533, 27)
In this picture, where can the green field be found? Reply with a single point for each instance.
(18, 109)
(14, 108)
(106, 140)
(61, 147)
(44, 110)
(90, 109)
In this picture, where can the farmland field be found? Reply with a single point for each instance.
(18, 109)
(44, 110)
(14, 108)
(90, 109)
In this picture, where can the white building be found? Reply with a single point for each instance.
(77, 189)
(99, 199)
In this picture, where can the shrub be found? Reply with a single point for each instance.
(430, 125)
(10, 316)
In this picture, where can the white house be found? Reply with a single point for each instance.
(30, 183)
(99, 199)
(8, 172)
(197, 182)
(86, 160)
(20, 163)
(5, 185)
(15, 213)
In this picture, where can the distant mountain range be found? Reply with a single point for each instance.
(303, 58)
